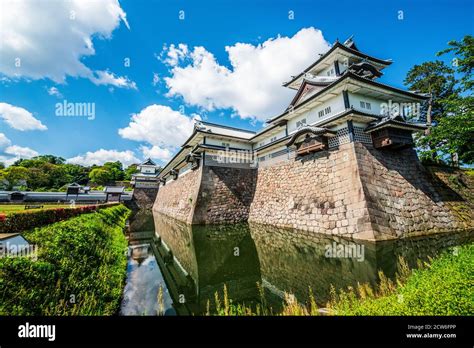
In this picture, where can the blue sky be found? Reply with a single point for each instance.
(58, 64)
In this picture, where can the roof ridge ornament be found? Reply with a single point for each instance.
(199, 126)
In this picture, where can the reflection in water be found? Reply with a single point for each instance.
(197, 261)
(201, 259)
(144, 278)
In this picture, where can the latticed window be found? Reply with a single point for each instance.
(361, 136)
(342, 137)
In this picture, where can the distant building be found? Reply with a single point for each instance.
(16, 196)
(73, 189)
(148, 175)
(113, 193)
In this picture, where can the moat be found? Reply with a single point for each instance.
(175, 268)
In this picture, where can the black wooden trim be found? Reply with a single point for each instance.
(350, 126)
(336, 67)
(345, 95)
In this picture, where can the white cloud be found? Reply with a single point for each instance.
(161, 127)
(13, 152)
(20, 151)
(174, 54)
(156, 79)
(156, 152)
(108, 78)
(252, 86)
(50, 39)
(4, 141)
(101, 156)
(54, 92)
(19, 118)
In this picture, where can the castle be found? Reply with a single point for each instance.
(338, 160)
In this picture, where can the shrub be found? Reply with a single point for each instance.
(22, 221)
(80, 269)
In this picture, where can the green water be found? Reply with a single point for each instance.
(193, 262)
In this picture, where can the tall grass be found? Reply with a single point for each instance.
(80, 269)
(441, 286)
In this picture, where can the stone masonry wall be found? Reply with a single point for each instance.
(177, 199)
(144, 198)
(208, 195)
(225, 195)
(352, 191)
(321, 193)
(406, 200)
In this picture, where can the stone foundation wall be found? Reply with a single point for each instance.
(321, 193)
(225, 195)
(352, 191)
(144, 198)
(178, 198)
(404, 199)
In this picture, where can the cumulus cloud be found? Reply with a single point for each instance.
(252, 85)
(48, 40)
(156, 152)
(54, 92)
(101, 156)
(108, 78)
(4, 141)
(20, 151)
(161, 127)
(172, 55)
(9, 153)
(156, 79)
(19, 118)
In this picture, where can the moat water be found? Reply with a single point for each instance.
(176, 269)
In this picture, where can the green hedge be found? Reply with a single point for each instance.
(22, 221)
(443, 287)
(80, 268)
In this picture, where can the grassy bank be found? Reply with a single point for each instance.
(444, 286)
(80, 268)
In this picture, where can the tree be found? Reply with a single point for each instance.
(13, 176)
(38, 160)
(463, 61)
(453, 131)
(131, 169)
(434, 78)
(78, 173)
(115, 170)
(100, 176)
(453, 135)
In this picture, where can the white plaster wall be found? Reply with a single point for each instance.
(232, 143)
(355, 99)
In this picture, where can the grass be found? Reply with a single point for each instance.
(443, 286)
(19, 208)
(80, 268)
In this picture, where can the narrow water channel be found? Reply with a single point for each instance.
(191, 263)
(145, 291)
